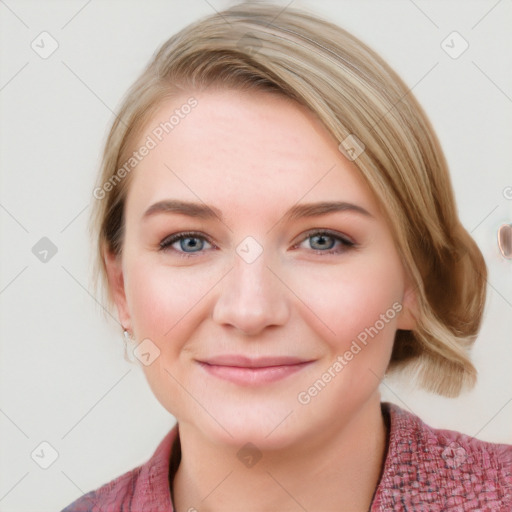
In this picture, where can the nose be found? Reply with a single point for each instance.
(251, 297)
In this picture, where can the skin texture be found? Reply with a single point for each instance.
(253, 156)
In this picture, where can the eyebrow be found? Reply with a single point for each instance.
(206, 212)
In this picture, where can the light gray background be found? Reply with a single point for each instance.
(63, 376)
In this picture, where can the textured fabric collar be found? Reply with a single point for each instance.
(436, 470)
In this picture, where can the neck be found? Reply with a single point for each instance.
(339, 472)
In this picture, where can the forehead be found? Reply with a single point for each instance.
(245, 148)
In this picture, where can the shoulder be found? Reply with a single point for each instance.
(114, 495)
(441, 469)
(142, 488)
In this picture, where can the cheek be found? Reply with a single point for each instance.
(167, 303)
(357, 301)
(165, 306)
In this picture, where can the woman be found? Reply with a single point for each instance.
(276, 227)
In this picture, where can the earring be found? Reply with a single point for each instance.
(128, 342)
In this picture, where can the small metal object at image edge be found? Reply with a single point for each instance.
(505, 240)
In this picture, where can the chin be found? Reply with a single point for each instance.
(266, 426)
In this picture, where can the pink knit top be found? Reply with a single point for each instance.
(425, 470)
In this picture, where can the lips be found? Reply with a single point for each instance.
(247, 371)
(249, 362)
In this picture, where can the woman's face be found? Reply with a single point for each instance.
(255, 326)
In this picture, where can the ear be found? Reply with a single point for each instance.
(115, 277)
(410, 311)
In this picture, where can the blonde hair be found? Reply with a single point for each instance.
(260, 46)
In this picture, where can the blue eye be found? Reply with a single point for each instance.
(320, 236)
(186, 241)
(189, 244)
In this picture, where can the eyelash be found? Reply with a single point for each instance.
(165, 244)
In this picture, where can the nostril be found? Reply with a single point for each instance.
(505, 240)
